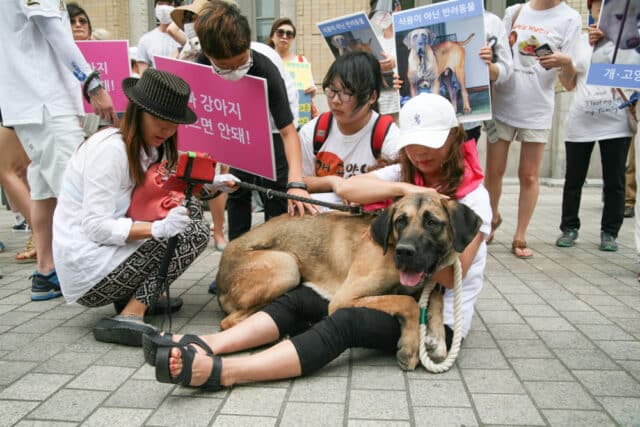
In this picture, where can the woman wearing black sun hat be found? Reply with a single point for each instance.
(103, 256)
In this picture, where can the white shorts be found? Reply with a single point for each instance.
(49, 146)
(496, 130)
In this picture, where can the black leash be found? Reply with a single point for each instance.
(354, 210)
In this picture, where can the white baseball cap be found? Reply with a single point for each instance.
(426, 120)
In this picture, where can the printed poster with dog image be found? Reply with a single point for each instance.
(301, 73)
(233, 118)
(616, 57)
(350, 33)
(438, 47)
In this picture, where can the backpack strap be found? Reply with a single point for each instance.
(380, 130)
(321, 131)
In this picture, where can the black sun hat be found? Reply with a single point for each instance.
(162, 94)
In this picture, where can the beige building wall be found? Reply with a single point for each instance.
(112, 15)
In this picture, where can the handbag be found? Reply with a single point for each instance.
(631, 111)
(153, 199)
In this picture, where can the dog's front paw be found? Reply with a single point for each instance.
(436, 347)
(407, 360)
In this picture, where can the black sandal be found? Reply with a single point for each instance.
(152, 342)
(163, 374)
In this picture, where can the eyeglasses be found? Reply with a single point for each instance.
(81, 21)
(224, 71)
(342, 95)
(282, 33)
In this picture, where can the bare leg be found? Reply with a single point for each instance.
(496, 166)
(216, 206)
(13, 168)
(528, 174)
(134, 308)
(42, 224)
(256, 330)
(277, 362)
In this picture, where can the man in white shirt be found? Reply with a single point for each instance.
(40, 96)
(157, 41)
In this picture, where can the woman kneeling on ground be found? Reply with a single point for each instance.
(433, 160)
(103, 256)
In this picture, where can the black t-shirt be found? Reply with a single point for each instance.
(276, 89)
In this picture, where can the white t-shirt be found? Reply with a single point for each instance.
(478, 201)
(594, 113)
(389, 101)
(32, 76)
(343, 155)
(526, 100)
(153, 43)
(90, 226)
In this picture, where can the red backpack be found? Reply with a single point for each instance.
(380, 130)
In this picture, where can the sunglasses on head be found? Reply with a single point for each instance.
(282, 33)
(81, 21)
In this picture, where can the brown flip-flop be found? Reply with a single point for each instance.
(520, 244)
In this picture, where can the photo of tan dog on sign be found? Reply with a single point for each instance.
(443, 58)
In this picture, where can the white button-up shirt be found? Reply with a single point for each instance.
(90, 227)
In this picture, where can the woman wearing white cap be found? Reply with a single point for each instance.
(434, 157)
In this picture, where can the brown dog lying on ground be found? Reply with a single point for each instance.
(353, 261)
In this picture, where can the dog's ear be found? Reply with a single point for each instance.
(465, 223)
(431, 37)
(407, 40)
(381, 228)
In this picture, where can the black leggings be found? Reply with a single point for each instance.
(319, 338)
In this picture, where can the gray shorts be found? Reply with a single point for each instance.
(496, 130)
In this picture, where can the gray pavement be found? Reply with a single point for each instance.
(555, 341)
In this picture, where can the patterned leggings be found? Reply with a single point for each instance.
(137, 275)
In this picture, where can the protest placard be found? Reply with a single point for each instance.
(616, 57)
(111, 58)
(233, 118)
(438, 47)
(301, 73)
(351, 33)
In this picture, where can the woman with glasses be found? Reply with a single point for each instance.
(80, 22)
(281, 38)
(225, 40)
(352, 86)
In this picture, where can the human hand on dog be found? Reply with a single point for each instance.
(408, 189)
(388, 62)
(300, 207)
(173, 224)
(595, 34)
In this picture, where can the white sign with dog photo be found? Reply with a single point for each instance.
(351, 33)
(616, 56)
(438, 47)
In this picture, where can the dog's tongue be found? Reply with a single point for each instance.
(411, 279)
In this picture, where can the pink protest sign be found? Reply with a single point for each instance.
(233, 118)
(111, 58)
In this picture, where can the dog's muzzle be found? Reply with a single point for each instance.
(411, 265)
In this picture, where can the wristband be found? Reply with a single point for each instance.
(297, 184)
(95, 74)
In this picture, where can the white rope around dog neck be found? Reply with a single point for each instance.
(448, 362)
